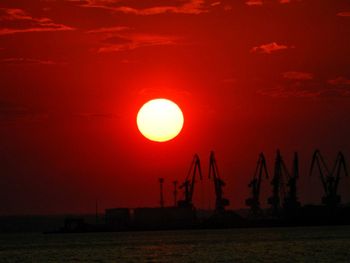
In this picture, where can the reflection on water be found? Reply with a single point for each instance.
(313, 244)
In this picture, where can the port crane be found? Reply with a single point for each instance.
(220, 202)
(255, 184)
(277, 183)
(291, 203)
(329, 178)
(175, 192)
(189, 183)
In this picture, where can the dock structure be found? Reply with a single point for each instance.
(285, 210)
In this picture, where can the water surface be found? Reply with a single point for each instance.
(300, 244)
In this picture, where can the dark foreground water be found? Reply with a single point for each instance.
(309, 244)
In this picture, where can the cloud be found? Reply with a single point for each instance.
(28, 61)
(340, 81)
(254, 2)
(303, 85)
(344, 14)
(297, 75)
(89, 115)
(28, 23)
(152, 92)
(269, 48)
(9, 31)
(187, 7)
(287, 92)
(261, 2)
(10, 112)
(123, 42)
(215, 3)
(310, 89)
(122, 38)
(108, 29)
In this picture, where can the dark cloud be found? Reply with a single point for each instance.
(90, 115)
(121, 38)
(297, 75)
(27, 61)
(157, 91)
(302, 89)
(130, 41)
(287, 92)
(339, 81)
(11, 112)
(183, 7)
(344, 14)
(108, 29)
(13, 16)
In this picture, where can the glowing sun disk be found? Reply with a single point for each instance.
(160, 120)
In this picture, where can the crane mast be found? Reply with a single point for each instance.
(255, 184)
(189, 183)
(337, 169)
(324, 172)
(291, 202)
(277, 183)
(220, 202)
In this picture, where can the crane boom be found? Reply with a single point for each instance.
(329, 178)
(291, 203)
(322, 168)
(189, 183)
(337, 168)
(276, 183)
(255, 184)
(220, 202)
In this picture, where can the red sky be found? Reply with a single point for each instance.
(250, 76)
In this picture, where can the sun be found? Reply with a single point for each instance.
(160, 120)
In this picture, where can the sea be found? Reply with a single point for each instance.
(297, 244)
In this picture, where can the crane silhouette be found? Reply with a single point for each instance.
(255, 185)
(329, 178)
(189, 183)
(220, 202)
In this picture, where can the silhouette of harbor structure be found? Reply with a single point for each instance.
(284, 208)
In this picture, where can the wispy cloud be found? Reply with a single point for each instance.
(287, 92)
(297, 75)
(345, 14)
(215, 3)
(108, 30)
(122, 38)
(186, 7)
(130, 41)
(261, 2)
(152, 92)
(27, 61)
(11, 112)
(339, 81)
(28, 22)
(304, 89)
(254, 2)
(94, 115)
(269, 48)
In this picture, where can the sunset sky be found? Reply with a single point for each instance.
(249, 76)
